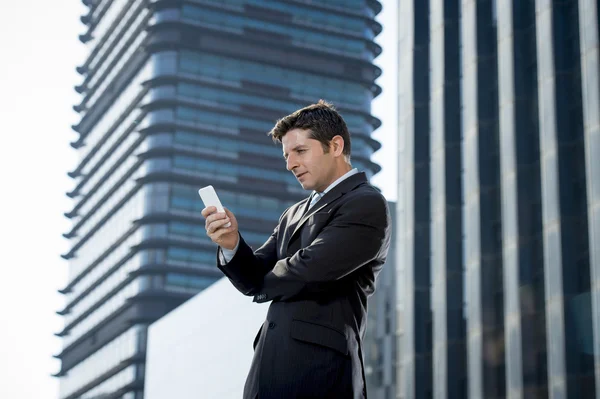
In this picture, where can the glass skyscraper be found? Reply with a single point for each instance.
(498, 212)
(176, 96)
(381, 339)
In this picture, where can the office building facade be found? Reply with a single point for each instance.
(176, 95)
(381, 339)
(498, 212)
(201, 360)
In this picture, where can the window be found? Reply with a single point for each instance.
(301, 84)
(188, 283)
(299, 35)
(304, 13)
(203, 257)
(186, 198)
(209, 143)
(222, 168)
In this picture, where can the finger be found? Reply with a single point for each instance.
(217, 235)
(208, 211)
(214, 217)
(216, 225)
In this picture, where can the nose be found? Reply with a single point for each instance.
(291, 163)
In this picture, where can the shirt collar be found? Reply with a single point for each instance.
(338, 181)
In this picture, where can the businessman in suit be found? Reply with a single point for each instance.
(317, 268)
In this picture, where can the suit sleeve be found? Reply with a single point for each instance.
(357, 235)
(247, 269)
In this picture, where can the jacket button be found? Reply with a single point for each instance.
(271, 325)
(260, 297)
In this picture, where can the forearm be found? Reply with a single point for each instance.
(308, 275)
(246, 269)
(354, 239)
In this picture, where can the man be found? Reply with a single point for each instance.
(317, 268)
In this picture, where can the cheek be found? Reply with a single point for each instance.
(310, 166)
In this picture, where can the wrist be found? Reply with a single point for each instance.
(233, 245)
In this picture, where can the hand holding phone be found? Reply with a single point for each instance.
(210, 198)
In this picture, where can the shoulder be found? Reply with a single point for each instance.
(366, 202)
(366, 193)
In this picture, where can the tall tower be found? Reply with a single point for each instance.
(176, 95)
(498, 212)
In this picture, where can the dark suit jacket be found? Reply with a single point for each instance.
(317, 268)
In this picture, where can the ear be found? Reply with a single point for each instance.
(337, 145)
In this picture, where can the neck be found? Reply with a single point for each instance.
(340, 171)
(343, 169)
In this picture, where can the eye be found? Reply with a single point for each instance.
(301, 151)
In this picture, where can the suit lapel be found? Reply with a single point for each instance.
(322, 203)
(292, 220)
(298, 214)
(337, 192)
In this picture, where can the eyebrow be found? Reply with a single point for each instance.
(296, 148)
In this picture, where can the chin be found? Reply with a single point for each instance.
(306, 186)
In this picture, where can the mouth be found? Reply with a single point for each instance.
(300, 175)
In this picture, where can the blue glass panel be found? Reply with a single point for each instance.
(255, 206)
(222, 96)
(301, 84)
(300, 35)
(302, 13)
(214, 119)
(185, 281)
(191, 255)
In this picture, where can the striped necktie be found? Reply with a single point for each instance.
(316, 197)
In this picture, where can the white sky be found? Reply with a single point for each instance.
(39, 51)
(385, 107)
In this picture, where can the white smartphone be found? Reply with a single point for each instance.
(210, 198)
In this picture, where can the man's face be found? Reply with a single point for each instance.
(305, 158)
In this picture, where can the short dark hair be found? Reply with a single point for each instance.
(323, 121)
